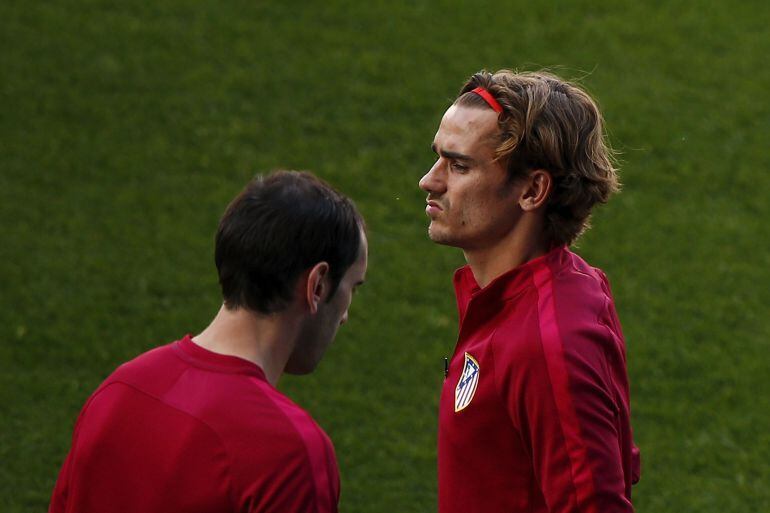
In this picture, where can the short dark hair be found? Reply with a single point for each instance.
(551, 124)
(279, 226)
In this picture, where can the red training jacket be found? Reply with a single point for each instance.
(183, 429)
(534, 414)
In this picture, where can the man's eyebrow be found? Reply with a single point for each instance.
(451, 154)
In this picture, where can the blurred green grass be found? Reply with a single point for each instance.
(126, 127)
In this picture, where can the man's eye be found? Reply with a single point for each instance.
(456, 166)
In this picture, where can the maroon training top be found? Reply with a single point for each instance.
(534, 414)
(182, 429)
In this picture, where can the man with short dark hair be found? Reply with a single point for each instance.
(198, 425)
(534, 413)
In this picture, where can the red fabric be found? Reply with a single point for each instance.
(489, 99)
(548, 429)
(183, 429)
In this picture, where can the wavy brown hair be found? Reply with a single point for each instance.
(548, 123)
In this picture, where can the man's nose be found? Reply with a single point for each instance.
(431, 181)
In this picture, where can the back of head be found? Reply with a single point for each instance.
(550, 124)
(279, 226)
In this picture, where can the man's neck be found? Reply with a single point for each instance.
(519, 247)
(265, 340)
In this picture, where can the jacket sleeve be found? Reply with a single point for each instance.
(561, 399)
(60, 491)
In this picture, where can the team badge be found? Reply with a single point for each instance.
(469, 380)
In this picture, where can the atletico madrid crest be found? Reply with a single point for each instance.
(469, 380)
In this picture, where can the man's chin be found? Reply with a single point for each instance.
(300, 368)
(440, 237)
(303, 362)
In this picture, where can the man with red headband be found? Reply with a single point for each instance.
(534, 413)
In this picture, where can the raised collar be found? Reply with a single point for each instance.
(507, 284)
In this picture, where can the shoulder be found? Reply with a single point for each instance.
(280, 456)
(155, 369)
(580, 290)
(566, 311)
(579, 328)
(299, 423)
(582, 307)
(260, 422)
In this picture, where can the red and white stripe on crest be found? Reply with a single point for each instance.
(467, 384)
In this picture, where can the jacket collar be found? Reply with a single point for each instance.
(504, 286)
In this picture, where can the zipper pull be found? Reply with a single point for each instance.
(446, 367)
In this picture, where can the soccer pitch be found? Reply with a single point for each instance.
(125, 129)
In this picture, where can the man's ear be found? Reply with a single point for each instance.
(316, 286)
(536, 189)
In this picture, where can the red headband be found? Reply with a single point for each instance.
(488, 98)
